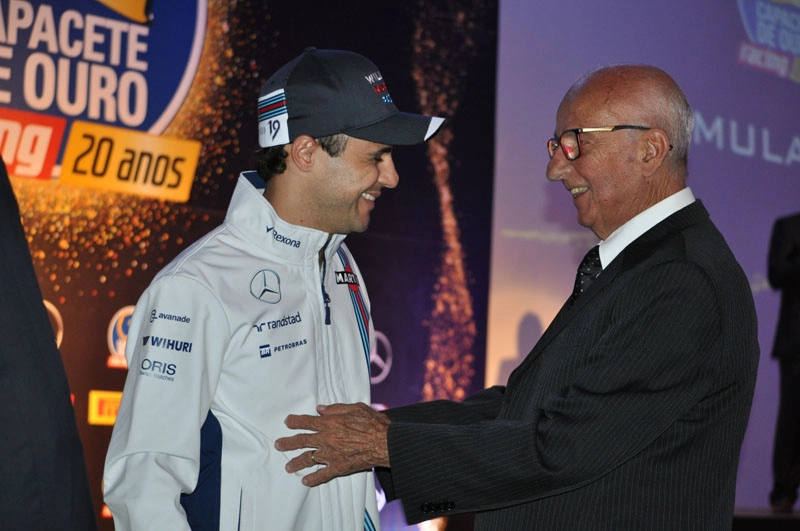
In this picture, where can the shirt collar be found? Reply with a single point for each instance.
(641, 223)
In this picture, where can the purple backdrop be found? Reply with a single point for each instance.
(738, 64)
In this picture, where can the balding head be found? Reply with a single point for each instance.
(642, 94)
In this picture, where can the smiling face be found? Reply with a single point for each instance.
(348, 185)
(612, 181)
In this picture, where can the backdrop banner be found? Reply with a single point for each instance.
(124, 125)
(739, 65)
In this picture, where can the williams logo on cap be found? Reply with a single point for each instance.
(328, 92)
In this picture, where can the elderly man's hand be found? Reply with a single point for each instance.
(345, 438)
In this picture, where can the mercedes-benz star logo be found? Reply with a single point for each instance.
(380, 358)
(266, 286)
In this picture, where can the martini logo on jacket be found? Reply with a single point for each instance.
(347, 277)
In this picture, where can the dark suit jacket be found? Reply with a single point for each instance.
(43, 482)
(784, 274)
(628, 414)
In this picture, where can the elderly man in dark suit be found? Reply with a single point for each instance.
(629, 413)
(784, 275)
(43, 482)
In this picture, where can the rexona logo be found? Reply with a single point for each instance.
(773, 32)
(280, 238)
(107, 75)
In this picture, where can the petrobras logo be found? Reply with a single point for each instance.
(109, 75)
(773, 33)
(117, 337)
(290, 345)
(168, 344)
(156, 315)
(266, 286)
(264, 351)
(158, 369)
(280, 238)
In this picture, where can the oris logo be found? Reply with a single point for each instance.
(158, 367)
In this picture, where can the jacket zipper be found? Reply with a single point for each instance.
(325, 297)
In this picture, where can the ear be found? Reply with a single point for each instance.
(302, 152)
(656, 149)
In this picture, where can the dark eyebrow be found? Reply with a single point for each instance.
(378, 153)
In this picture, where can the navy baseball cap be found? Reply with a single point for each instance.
(327, 92)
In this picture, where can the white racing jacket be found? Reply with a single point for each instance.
(243, 328)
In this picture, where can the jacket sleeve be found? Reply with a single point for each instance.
(784, 254)
(176, 343)
(647, 361)
(481, 406)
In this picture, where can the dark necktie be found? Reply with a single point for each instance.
(588, 270)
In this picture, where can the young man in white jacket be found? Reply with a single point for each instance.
(264, 316)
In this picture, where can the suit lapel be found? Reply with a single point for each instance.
(630, 257)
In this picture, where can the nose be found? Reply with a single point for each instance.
(556, 166)
(388, 176)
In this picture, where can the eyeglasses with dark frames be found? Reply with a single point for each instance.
(570, 140)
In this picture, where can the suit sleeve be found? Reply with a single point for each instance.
(479, 407)
(42, 470)
(650, 358)
(173, 369)
(784, 254)
(483, 405)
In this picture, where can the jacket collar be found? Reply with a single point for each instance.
(254, 218)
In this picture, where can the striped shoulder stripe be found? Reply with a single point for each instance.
(271, 106)
(360, 309)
